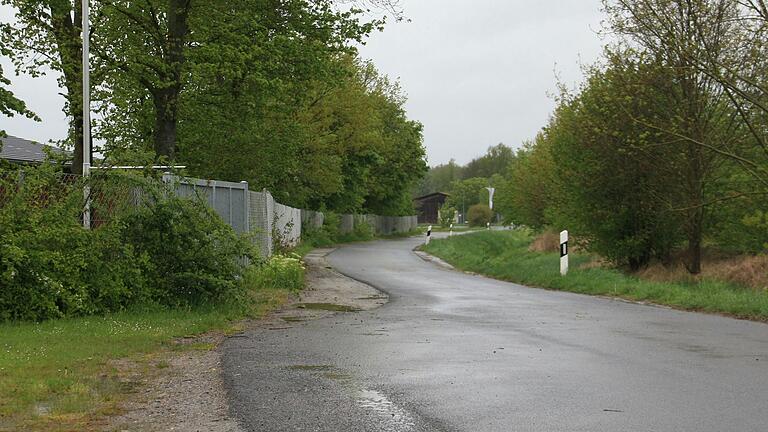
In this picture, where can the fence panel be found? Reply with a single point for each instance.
(269, 221)
(229, 200)
(313, 219)
(287, 225)
(261, 228)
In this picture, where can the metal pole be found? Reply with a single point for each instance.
(86, 113)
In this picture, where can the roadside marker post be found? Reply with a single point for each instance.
(450, 232)
(488, 225)
(429, 235)
(564, 253)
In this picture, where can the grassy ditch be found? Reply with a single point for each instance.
(63, 375)
(506, 255)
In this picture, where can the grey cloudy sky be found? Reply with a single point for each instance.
(477, 72)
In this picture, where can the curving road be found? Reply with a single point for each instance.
(452, 351)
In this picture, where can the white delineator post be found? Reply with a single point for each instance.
(86, 114)
(488, 225)
(564, 253)
(429, 235)
(450, 232)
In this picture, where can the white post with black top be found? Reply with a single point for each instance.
(564, 253)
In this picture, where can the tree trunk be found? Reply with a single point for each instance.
(166, 96)
(695, 211)
(76, 131)
(66, 23)
(166, 113)
(694, 246)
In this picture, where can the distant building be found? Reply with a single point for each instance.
(428, 206)
(22, 151)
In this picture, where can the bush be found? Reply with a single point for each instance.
(323, 236)
(362, 230)
(191, 255)
(170, 250)
(479, 215)
(279, 272)
(49, 265)
(447, 215)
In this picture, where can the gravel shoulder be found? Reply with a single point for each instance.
(182, 389)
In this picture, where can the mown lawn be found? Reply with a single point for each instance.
(61, 375)
(504, 255)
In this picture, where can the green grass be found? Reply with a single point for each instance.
(456, 228)
(398, 235)
(504, 255)
(61, 375)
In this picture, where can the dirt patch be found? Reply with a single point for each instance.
(548, 241)
(327, 286)
(746, 270)
(181, 389)
(184, 392)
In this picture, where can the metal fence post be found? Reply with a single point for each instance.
(247, 206)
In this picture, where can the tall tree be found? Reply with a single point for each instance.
(143, 45)
(48, 34)
(617, 181)
(153, 51)
(525, 194)
(495, 161)
(674, 33)
(440, 177)
(742, 71)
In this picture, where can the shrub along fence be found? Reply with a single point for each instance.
(149, 243)
(147, 246)
(272, 224)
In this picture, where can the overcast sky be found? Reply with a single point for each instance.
(477, 72)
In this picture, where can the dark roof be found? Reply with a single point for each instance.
(17, 149)
(433, 194)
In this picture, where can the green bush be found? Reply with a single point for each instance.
(49, 265)
(331, 225)
(363, 230)
(279, 272)
(479, 215)
(323, 236)
(169, 250)
(191, 255)
(447, 215)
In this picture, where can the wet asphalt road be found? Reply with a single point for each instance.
(452, 351)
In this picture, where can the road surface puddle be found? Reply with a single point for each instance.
(394, 417)
(331, 307)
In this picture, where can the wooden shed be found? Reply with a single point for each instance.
(428, 206)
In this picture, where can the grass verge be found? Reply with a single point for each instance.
(505, 255)
(63, 375)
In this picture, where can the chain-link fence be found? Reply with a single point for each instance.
(106, 196)
(272, 224)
